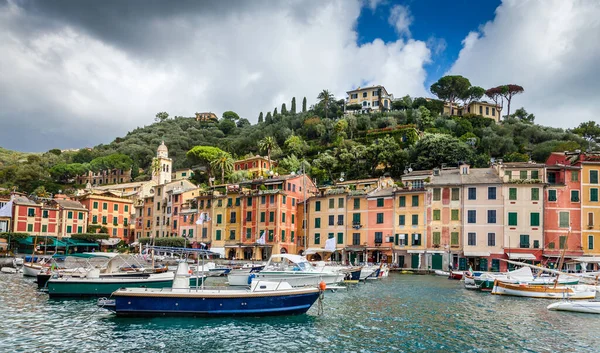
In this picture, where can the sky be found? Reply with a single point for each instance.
(78, 73)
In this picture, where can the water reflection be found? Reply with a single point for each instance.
(401, 313)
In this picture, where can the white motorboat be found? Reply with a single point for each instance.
(242, 276)
(442, 273)
(297, 271)
(580, 306)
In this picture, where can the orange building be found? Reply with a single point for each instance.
(110, 211)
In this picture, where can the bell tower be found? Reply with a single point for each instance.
(162, 165)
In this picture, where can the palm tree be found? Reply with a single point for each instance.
(267, 145)
(325, 97)
(224, 163)
(155, 168)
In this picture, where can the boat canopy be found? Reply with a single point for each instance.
(289, 262)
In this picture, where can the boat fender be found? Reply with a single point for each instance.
(322, 286)
(252, 276)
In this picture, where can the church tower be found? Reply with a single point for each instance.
(162, 165)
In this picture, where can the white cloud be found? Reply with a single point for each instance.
(67, 86)
(550, 48)
(373, 4)
(401, 19)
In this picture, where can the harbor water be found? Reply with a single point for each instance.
(400, 313)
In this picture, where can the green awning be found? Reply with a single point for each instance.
(59, 244)
(76, 242)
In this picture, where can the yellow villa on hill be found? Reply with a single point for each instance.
(372, 98)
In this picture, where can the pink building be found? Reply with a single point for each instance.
(562, 211)
(380, 225)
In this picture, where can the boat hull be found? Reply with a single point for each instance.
(31, 270)
(456, 275)
(178, 305)
(299, 279)
(78, 288)
(577, 307)
(544, 292)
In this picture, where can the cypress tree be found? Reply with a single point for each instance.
(293, 108)
(304, 105)
(283, 109)
(268, 118)
(260, 118)
(275, 112)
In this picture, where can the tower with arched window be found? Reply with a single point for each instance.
(162, 165)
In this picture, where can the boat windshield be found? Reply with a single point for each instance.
(289, 264)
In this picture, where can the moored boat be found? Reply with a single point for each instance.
(94, 285)
(442, 273)
(456, 275)
(546, 292)
(262, 298)
(297, 271)
(580, 306)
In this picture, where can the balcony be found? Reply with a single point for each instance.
(524, 245)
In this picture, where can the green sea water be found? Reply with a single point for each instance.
(402, 313)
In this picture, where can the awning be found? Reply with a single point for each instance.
(355, 248)
(588, 259)
(415, 251)
(59, 244)
(381, 248)
(220, 251)
(110, 241)
(311, 251)
(436, 251)
(521, 256)
(76, 242)
(479, 253)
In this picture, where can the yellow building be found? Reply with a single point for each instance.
(410, 216)
(328, 217)
(482, 108)
(226, 223)
(256, 166)
(372, 98)
(590, 204)
(180, 174)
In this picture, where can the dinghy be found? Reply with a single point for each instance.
(580, 306)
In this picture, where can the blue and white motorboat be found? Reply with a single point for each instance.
(260, 299)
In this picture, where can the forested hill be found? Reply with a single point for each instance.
(413, 134)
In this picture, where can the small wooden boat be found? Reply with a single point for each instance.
(546, 292)
(580, 306)
(353, 275)
(262, 298)
(456, 275)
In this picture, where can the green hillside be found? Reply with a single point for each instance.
(413, 134)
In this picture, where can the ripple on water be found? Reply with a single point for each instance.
(400, 313)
